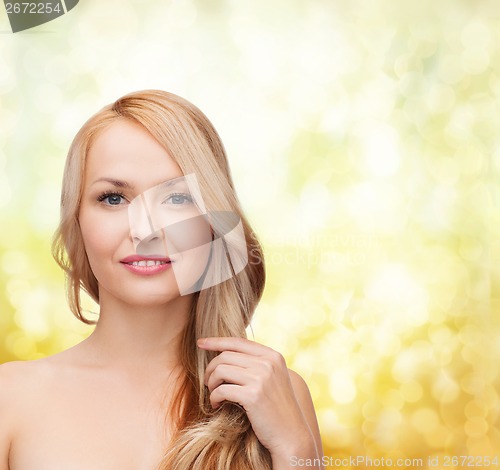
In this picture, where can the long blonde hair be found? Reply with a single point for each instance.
(203, 439)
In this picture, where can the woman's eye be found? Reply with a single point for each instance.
(112, 199)
(179, 199)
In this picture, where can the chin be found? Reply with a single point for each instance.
(141, 297)
(153, 300)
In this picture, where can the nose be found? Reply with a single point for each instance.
(142, 233)
(153, 244)
(140, 221)
(147, 237)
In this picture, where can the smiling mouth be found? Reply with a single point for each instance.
(148, 262)
(147, 266)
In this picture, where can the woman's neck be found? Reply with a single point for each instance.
(138, 339)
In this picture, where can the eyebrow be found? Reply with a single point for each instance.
(124, 184)
(114, 182)
(173, 182)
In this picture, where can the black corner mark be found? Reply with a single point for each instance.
(70, 4)
(28, 14)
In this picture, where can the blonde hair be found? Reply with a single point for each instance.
(203, 439)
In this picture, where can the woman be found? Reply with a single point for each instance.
(167, 379)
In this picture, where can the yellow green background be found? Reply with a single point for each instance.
(364, 143)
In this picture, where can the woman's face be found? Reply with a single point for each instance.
(124, 194)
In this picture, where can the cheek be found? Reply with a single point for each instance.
(190, 268)
(187, 235)
(102, 234)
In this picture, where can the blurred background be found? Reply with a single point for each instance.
(364, 143)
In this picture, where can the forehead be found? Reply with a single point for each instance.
(126, 151)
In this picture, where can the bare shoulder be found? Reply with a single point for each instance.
(14, 381)
(10, 370)
(299, 384)
(306, 404)
(18, 380)
(12, 377)
(20, 383)
(301, 391)
(17, 373)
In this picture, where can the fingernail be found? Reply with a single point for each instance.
(201, 341)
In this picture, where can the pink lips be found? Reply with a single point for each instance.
(146, 265)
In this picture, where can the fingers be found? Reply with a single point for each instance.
(227, 392)
(245, 347)
(241, 345)
(230, 358)
(256, 377)
(242, 371)
(226, 374)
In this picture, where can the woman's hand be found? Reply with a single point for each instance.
(256, 377)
